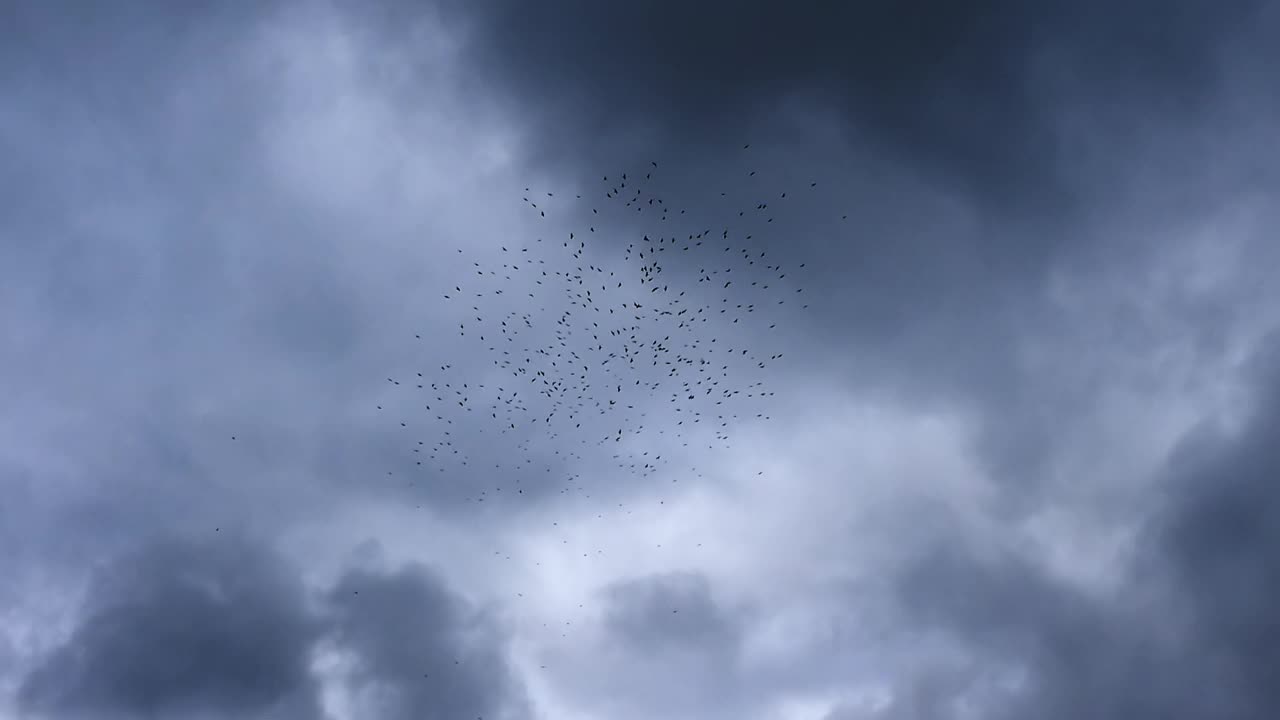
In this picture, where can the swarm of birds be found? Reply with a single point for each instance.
(599, 351)
(600, 347)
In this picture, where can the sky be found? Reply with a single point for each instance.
(1008, 449)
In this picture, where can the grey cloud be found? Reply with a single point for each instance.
(1221, 539)
(933, 693)
(422, 651)
(184, 629)
(964, 91)
(196, 629)
(666, 644)
(1065, 654)
(673, 611)
(1192, 636)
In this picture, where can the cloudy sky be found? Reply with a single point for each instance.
(1018, 460)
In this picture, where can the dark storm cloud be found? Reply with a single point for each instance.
(181, 629)
(222, 627)
(422, 651)
(1193, 636)
(966, 91)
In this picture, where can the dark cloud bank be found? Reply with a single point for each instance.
(223, 628)
(971, 92)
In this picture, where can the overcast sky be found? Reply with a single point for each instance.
(1018, 458)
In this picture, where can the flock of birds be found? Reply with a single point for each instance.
(601, 358)
(600, 352)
